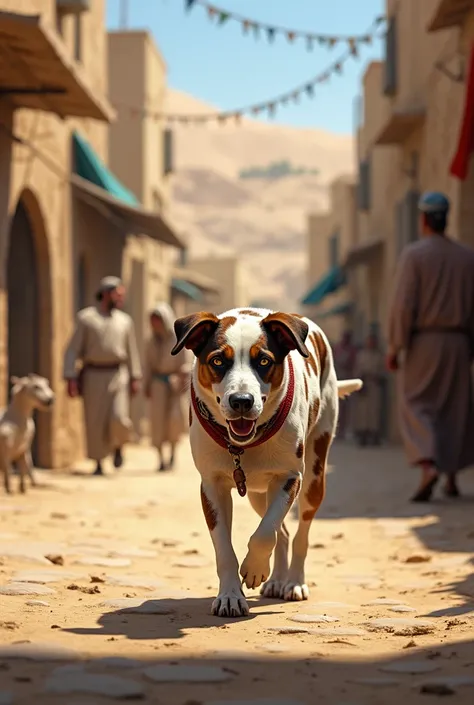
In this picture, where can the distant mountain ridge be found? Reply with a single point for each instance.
(261, 218)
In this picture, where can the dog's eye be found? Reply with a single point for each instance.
(265, 362)
(216, 362)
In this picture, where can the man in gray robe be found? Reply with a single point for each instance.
(431, 342)
(102, 365)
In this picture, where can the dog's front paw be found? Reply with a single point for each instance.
(294, 591)
(272, 588)
(231, 603)
(255, 569)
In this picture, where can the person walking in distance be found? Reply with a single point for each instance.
(344, 360)
(431, 343)
(165, 381)
(102, 365)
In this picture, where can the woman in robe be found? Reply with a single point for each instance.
(166, 381)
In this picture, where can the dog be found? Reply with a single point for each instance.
(17, 427)
(263, 415)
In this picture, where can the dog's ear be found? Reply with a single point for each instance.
(193, 331)
(15, 380)
(288, 331)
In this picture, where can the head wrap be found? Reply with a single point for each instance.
(164, 311)
(108, 284)
(433, 202)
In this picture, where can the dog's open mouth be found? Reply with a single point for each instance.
(242, 429)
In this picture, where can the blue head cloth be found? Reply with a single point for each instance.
(433, 202)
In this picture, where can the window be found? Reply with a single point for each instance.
(407, 219)
(411, 215)
(390, 63)
(363, 187)
(77, 38)
(167, 152)
(59, 23)
(183, 258)
(334, 250)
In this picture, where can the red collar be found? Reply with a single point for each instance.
(219, 433)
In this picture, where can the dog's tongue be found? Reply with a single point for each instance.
(242, 427)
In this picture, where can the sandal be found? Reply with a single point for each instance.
(425, 492)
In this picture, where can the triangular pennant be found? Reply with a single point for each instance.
(366, 39)
(332, 41)
(379, 19)
(338, 67)
(211, 11)
(271, 33)
(223, 17)
(256, 30)
(309, 42)
(284, 99)
(188, 4)
(256, 110)
(246, 26)
(291, 36)
(271, 107)
(309, 88)
(353, 48)
(295, 96)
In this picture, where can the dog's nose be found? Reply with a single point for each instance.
(50, 401)
(241, 403)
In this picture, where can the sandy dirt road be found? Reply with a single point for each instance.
(106, 586)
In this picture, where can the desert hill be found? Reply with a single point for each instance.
(247, 189)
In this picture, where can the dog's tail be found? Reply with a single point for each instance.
(345, 387)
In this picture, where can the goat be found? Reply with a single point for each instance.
(17, 428)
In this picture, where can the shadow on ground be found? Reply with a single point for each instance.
(380, 488)
(183, 614)
(245, 677)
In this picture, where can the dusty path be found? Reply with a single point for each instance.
(391, 609)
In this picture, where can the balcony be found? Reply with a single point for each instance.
(399, 126)
(73, 7)
(377, 109)
(449, 13)
(37, 73)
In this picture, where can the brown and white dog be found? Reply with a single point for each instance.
(263, 414)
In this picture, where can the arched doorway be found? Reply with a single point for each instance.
(29, 309)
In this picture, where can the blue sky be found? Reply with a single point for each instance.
(223, 67)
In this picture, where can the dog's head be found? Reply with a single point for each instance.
(240, 361)
(35, 390)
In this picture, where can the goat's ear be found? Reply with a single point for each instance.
(193, 331)
(15, 380)
(289, 332)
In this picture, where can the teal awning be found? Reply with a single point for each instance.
(89, 165)
(186, 288)
(96, 185)
(339, 310)
(329, 284)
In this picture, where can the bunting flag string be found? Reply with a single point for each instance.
(268, 107)
(221, 17)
